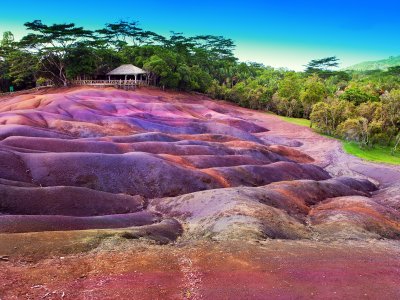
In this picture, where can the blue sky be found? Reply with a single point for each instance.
(279, 33)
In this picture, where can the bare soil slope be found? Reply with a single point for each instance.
(89, 175)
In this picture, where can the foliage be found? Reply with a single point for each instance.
(355, 129)
(358, 96)
(328, 115)
(390, 115)
(376, 153)
(287, 98)
(52, 45)
(322, 67)
(367, 124)
(313, 92)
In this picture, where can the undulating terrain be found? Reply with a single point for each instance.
(106, 194)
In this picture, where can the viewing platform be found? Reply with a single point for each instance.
(129, 84)
(132, 77)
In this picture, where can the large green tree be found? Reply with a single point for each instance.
(52, 44)
(313, 92)
(6, 47)
(288, 94)
(17, 67)
(391, 115)
(323, 67)
(357, 95)
(328, 115)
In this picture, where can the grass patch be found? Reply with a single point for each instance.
(297, 121)
(380, 154)
(377, 153)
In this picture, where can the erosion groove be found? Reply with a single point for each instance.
(93, 159)
(112, 191)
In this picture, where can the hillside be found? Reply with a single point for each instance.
(382, 64)
(165, 195)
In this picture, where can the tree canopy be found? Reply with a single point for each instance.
(323, 67)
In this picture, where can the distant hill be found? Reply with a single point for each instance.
(382, 64)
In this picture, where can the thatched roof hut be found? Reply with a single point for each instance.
(127, 70)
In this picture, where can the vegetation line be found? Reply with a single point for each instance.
(376, 153)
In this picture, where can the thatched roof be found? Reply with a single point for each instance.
(127, 70)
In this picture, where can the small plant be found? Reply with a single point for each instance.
(41, 81)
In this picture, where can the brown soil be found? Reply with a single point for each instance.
(267, 270)
(215, 201)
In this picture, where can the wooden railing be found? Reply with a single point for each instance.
(125, 84)
(117, 83)
(16, 93)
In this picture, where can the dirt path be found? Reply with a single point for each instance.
(270, 270)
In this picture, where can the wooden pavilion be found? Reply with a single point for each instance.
(125, 76)
(127, 72)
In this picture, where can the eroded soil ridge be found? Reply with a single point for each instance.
(106, 159)
(107, 194)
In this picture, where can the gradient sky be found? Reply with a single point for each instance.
(279, 33)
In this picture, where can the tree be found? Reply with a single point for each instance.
(16, 67)
(23, 69)
(217, 91)
(123, 33)
(221, 48)
(356, 129)
(323, 67)
(396, 144)
(6, 47)
(391, 115)
(365, 126)
(369, 110)
(81, 61)
(327, 116)
(357, 95)
(313, 92)
(7, 44)
(162, 70)
(201, 80)
(394, 70)
(52, 44)
(288, 94)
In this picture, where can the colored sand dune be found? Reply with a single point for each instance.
(183, 177)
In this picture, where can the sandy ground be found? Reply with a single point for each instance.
(268, 270)
(43, 267)
(327, 152)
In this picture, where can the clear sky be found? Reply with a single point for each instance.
(279, 33)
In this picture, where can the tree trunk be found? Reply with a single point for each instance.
(394, 149)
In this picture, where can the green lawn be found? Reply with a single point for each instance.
(376, 154)
(297, 121)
